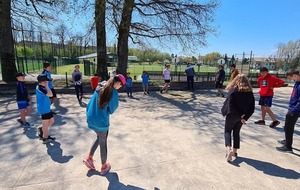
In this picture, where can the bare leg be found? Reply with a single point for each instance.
(271, 114)
(263, 112)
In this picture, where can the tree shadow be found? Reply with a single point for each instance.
(61, 109)
(114, 182)
(56, 153)
(268, 168)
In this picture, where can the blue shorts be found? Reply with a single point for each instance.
(23, 104)
(265, 101)
(145, 84)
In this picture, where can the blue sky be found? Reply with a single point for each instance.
(254, 25)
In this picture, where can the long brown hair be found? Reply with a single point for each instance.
(241, 83)
(107, 91)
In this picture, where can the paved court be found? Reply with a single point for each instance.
(157, 142)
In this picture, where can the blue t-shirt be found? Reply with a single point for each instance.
(48, 73)
(42, 100)
(129, 82)
(145, 78)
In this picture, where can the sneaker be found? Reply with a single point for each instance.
(229, 155)
(145, 93)
(40, 133)
(51, 138)
(218, 94)
(89, 163)
(161, 91)
(274, 124)
(260, 122)
(26, 124)
(281, 141)
(20, 121)
(284, 149)
(235, 154)
(222, 95)
(45, 141)
(106, 169)
(148, 92)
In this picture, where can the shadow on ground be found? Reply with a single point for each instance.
(114, 181)
(268, 168)
(54, 150)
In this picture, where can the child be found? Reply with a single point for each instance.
(94, 81)
(238, 108)
(145, 81)
(220, 77)
(46, 71)
(23, 100)
(104, 102)
(167, 78)
(267, 83)
(77, 80)
(293, 112)
(43, 92)
(234, 72)
(129, 84)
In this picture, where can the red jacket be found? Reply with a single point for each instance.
(267, 84)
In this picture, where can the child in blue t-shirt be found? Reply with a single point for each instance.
(145, 81)
(129, 84)
(23, 100)
(43, 102)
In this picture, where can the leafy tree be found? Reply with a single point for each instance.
(21, 52)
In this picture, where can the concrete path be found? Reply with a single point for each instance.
(156, 142)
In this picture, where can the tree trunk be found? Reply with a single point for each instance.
(123, 36)
(7, 55)
(101, 39)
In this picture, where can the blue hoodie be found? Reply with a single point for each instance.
(98, 119)
(294, 106)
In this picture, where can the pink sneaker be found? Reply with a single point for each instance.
(106, 169)
(89, 163)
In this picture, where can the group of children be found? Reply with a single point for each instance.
(45, 96)
(240, 104)
(238, 107)
(145, 83)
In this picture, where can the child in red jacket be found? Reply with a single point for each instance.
(267, 83)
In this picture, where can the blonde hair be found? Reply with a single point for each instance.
(240, 83)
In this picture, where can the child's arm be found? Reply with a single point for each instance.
(49, 92)
(278, 82)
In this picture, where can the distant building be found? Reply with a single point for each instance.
(112, 58)
(259, 62)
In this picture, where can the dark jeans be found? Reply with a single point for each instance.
(190, 82)
(290, 121)
(129, 91)
(232, 123)
(79, 88)
(102, 142)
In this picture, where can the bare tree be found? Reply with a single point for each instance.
(13, 11)
(100, 9)
(179, 21)
(6, 42)
(62, 32)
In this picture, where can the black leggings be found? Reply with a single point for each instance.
(79, 88)
(102, 142)
(232, 123)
